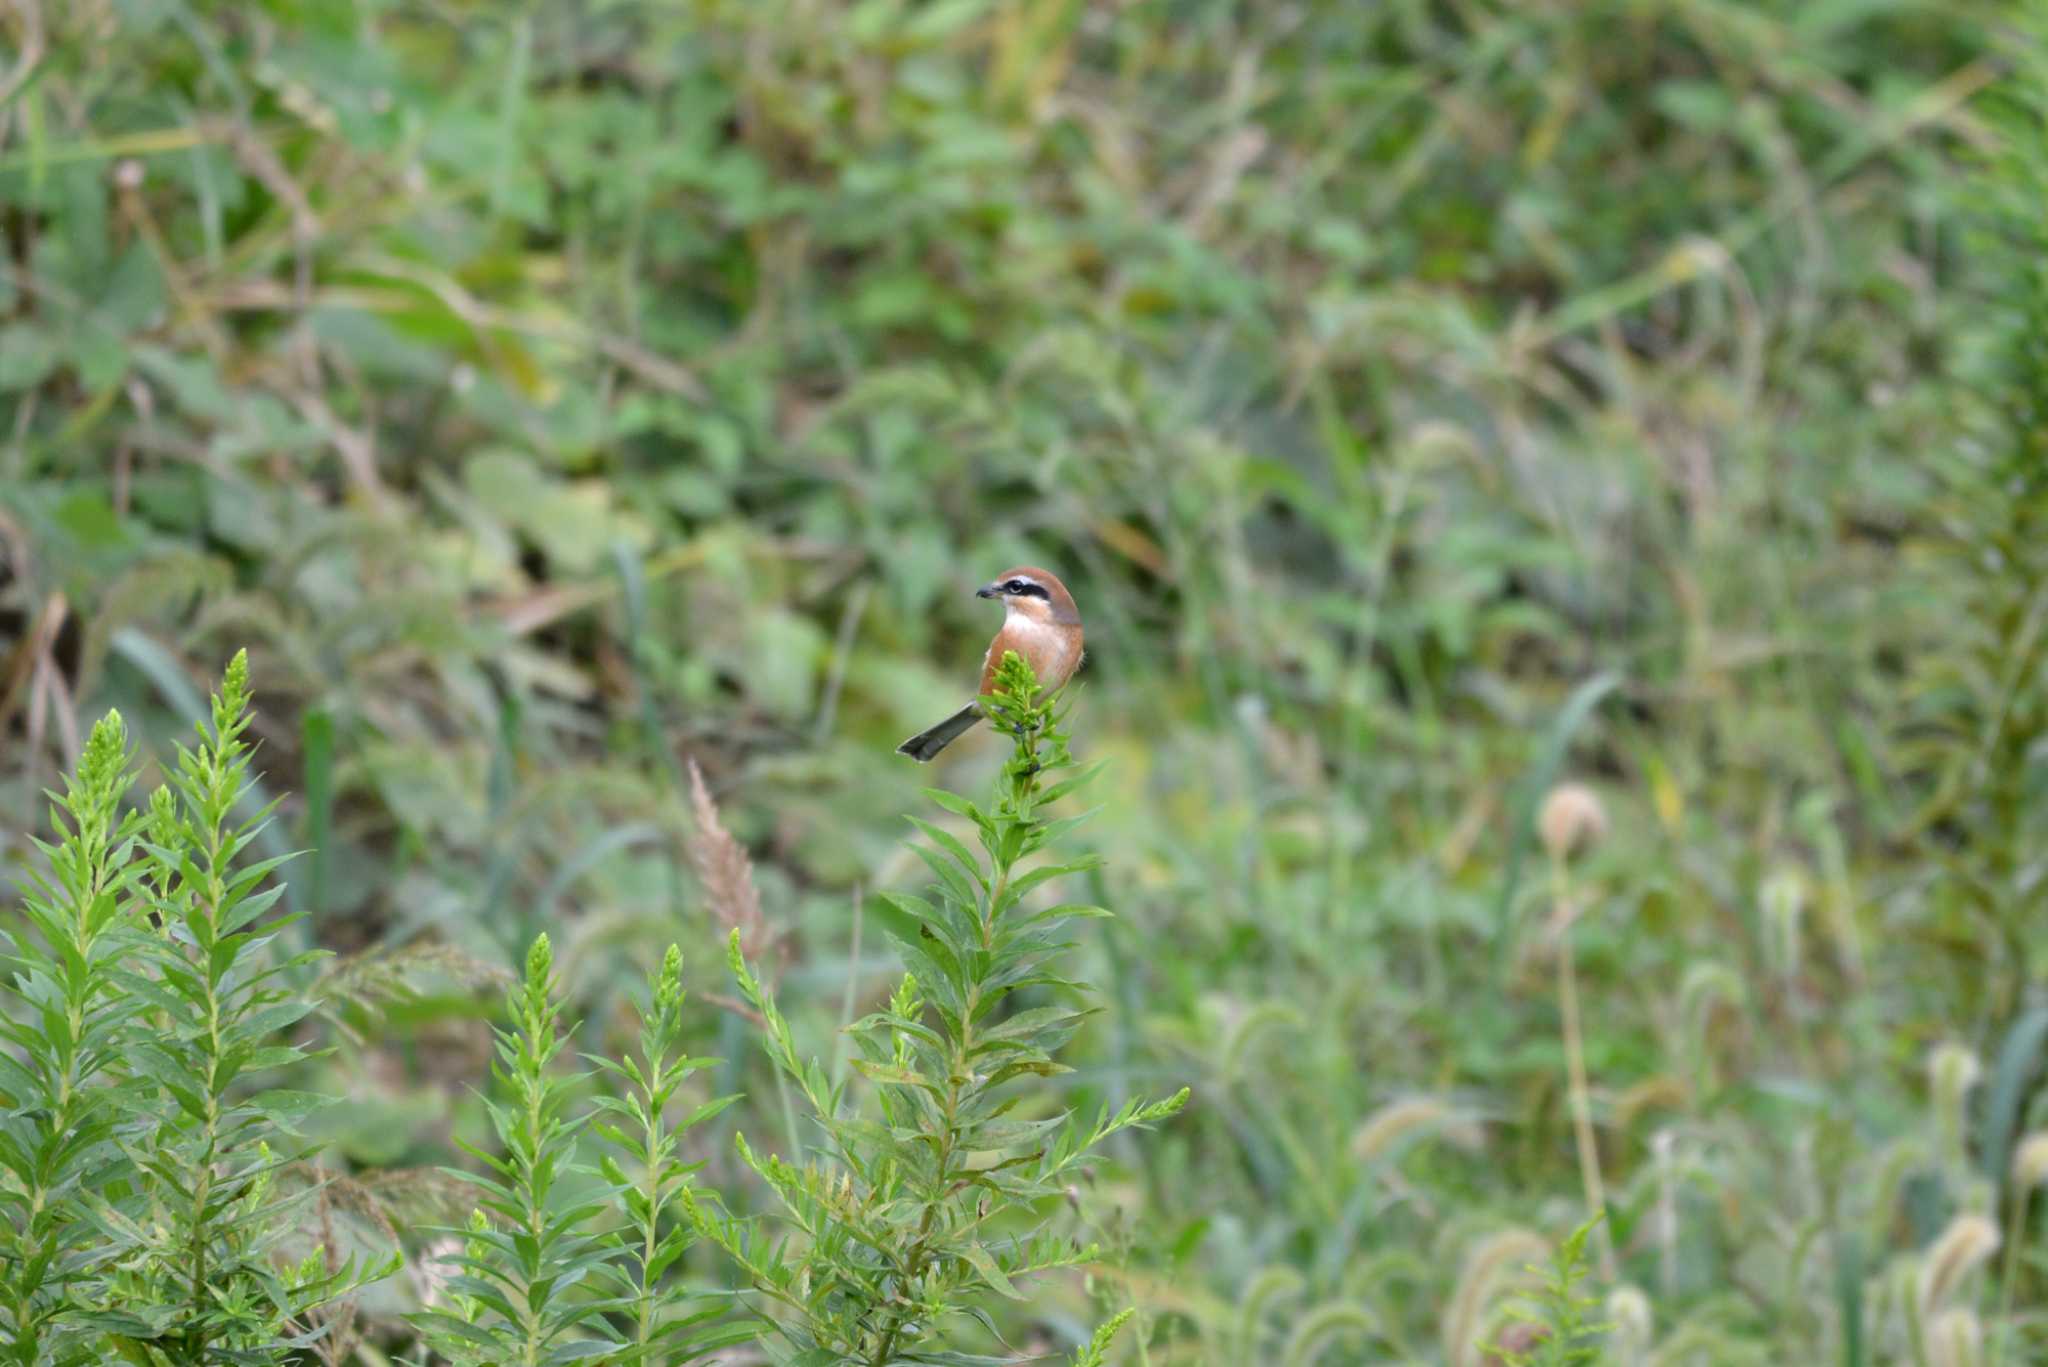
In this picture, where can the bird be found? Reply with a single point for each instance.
(1040, 623)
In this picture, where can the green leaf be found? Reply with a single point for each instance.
(981, 1261)
(956, 804)
(28, 353)
(951, 844)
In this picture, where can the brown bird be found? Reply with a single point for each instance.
(1040, 623)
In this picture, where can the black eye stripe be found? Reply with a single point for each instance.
(1024, 588)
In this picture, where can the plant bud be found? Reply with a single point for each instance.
(1629, 1310)
(668, 990)
(2030, 1161)
(1572, 819)
(1952, 1070)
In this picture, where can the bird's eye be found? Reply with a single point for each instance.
(1014, 586)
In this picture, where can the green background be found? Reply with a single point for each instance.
(1426, 400)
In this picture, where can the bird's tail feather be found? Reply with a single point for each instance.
(929, 742)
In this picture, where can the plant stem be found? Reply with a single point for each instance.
(1575, 1069)
(651, 1156)
(2009, 1273)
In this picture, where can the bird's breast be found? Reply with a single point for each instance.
(1052, 651)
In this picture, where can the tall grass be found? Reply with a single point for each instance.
(1426, 401)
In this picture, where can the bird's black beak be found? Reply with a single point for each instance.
(988, 591)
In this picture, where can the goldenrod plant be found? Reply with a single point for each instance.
(140, 1147)
(928, 1194)
(655, 1185)
(1551, 1324)
(565, 1261)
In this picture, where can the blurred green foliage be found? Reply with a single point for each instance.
(1424, 399)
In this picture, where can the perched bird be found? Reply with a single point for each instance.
(1040, 623)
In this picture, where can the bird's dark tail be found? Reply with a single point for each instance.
(925, 744)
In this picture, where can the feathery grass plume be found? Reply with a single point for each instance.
(1491, 1266)
(1955, 1338)
(1782, 900)
(1952, 1070)
(1571, 821)
(1706, 986)
(1323, 1327)
(2030, 1161)
(2029, 1170)
(346, 1212)
(1664, 1158)
(1397, 1121)
(939, 1193)
(1894, 1166)
(1628, 1309)
(725, 870)
(1957, 1252)
(1268, 1287)
(1245, 1029)
(350, 986)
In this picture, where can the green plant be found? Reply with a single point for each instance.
(64, 1083)
(1572, 818)
(1094, 1353)
(142, 1153)
(530, 1249)
(1559, 1330)
(540, 1275)
(545, 391)
(916, 1212)
(656, 1190)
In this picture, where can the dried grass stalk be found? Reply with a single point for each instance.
(725, 870)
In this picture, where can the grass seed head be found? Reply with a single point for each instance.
(1960, 1250)
(2030, 1161)
(1572, 820)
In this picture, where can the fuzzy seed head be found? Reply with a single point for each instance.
(1955, 1338)
(1491, 1265)
(1629, 1310)
(431, 1269)
(1952, 1070)
(1967, 1242)
(1783, 898)
(1572, 819)
(2030, 1161)
(1394, 1122)
(724, 869)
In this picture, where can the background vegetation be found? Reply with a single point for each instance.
(1427, 401)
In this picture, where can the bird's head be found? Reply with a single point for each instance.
(1032, 593)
